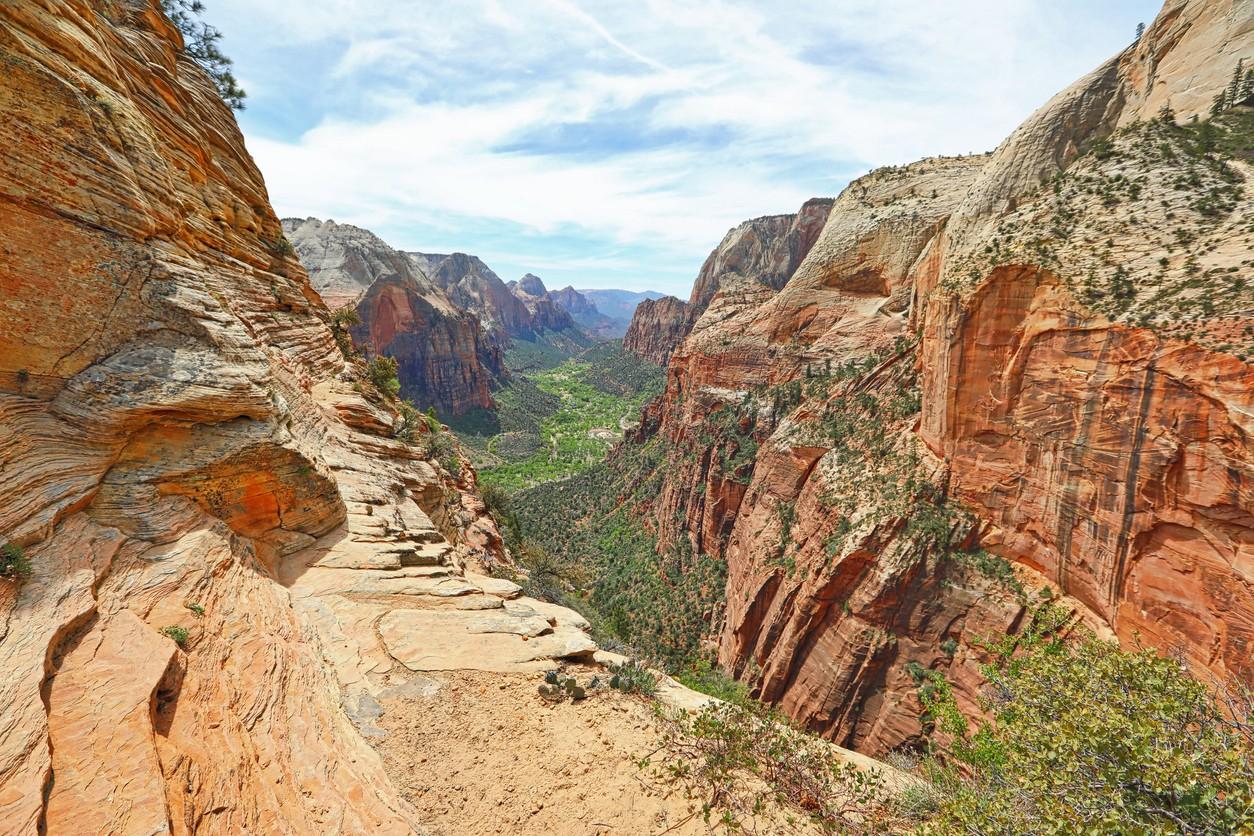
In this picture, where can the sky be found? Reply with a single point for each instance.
(613, 144)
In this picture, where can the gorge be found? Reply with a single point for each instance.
(304, 532)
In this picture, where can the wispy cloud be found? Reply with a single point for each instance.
(580, 135)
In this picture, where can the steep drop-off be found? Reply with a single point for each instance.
(988, 376)
(237, 566)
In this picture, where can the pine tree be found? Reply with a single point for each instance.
(200, 42)
(1140, 30)
(1234, 87)
(1219, 104)
(1247, 85)
(1166, 115)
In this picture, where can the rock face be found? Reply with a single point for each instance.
(473, 287)
(546, 313)
(657, 327)
(444, 358)
(1034, 360)
(753, 259)
(184, 446)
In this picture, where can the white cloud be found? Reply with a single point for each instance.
(803, 93)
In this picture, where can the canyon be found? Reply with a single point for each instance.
(987, 381)
(265, 595)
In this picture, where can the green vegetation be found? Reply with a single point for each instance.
(200, 42)
(13, 562)
(176, 634)
(708, 679)
(197, 609)
(562, 420)
(382, 373)
(342, 320)
(744, 763)
(1086, 738)
(632, 677)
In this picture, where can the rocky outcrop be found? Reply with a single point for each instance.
(444, 359)
(753, 260)
(546, 314)
(226, 537)
(988, 375)
(658, 326)
(473, 287)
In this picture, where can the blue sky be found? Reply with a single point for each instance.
(612, 144)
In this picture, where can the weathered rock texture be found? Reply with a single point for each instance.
(1035, 358)
(182, 444)
(753, 260)
(444, 358)
(546, 314)
(657, 327)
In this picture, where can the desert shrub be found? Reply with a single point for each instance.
(197, 609)
(13, 562)
(709, 679)
(632, 677)
(382, 373)
(739, 760)
(342, 321)
(1085, 738)
(412, 420)
(176, 634)
(442, 448)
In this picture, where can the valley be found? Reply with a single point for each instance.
(928, 509)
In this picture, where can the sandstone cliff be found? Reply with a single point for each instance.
(236, 564)
(444, 358)
(987, 376)
(656, 328)
(752, 261)
(546, 314)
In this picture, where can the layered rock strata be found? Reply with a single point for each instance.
(1075, 311)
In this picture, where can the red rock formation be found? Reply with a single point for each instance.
(444, 358)
(1080, 407)
(181, 445)
(657, 327)
(546, 314)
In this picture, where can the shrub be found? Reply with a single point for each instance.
(443, 449)
(382, 373)
(197, 609)
(13, 562)
(708, 679)
(632, 677)
(740, 759)
(1085, 737)
(177, 634)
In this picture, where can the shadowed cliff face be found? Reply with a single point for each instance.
(982, 362)
(182, 446)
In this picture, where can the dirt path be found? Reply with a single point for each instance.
(482, 753)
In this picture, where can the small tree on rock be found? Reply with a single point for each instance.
(200, 42)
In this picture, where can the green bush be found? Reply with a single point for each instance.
(382, 373)
(177, 634)
(1087, 738)
(740, 760)
(342, 321)
(632, 677)
(200, 42)
(708, 679)
(13, 562)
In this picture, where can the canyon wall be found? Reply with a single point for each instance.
(444, 358)
(215, 505)
(656, 328)
(990, 381)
